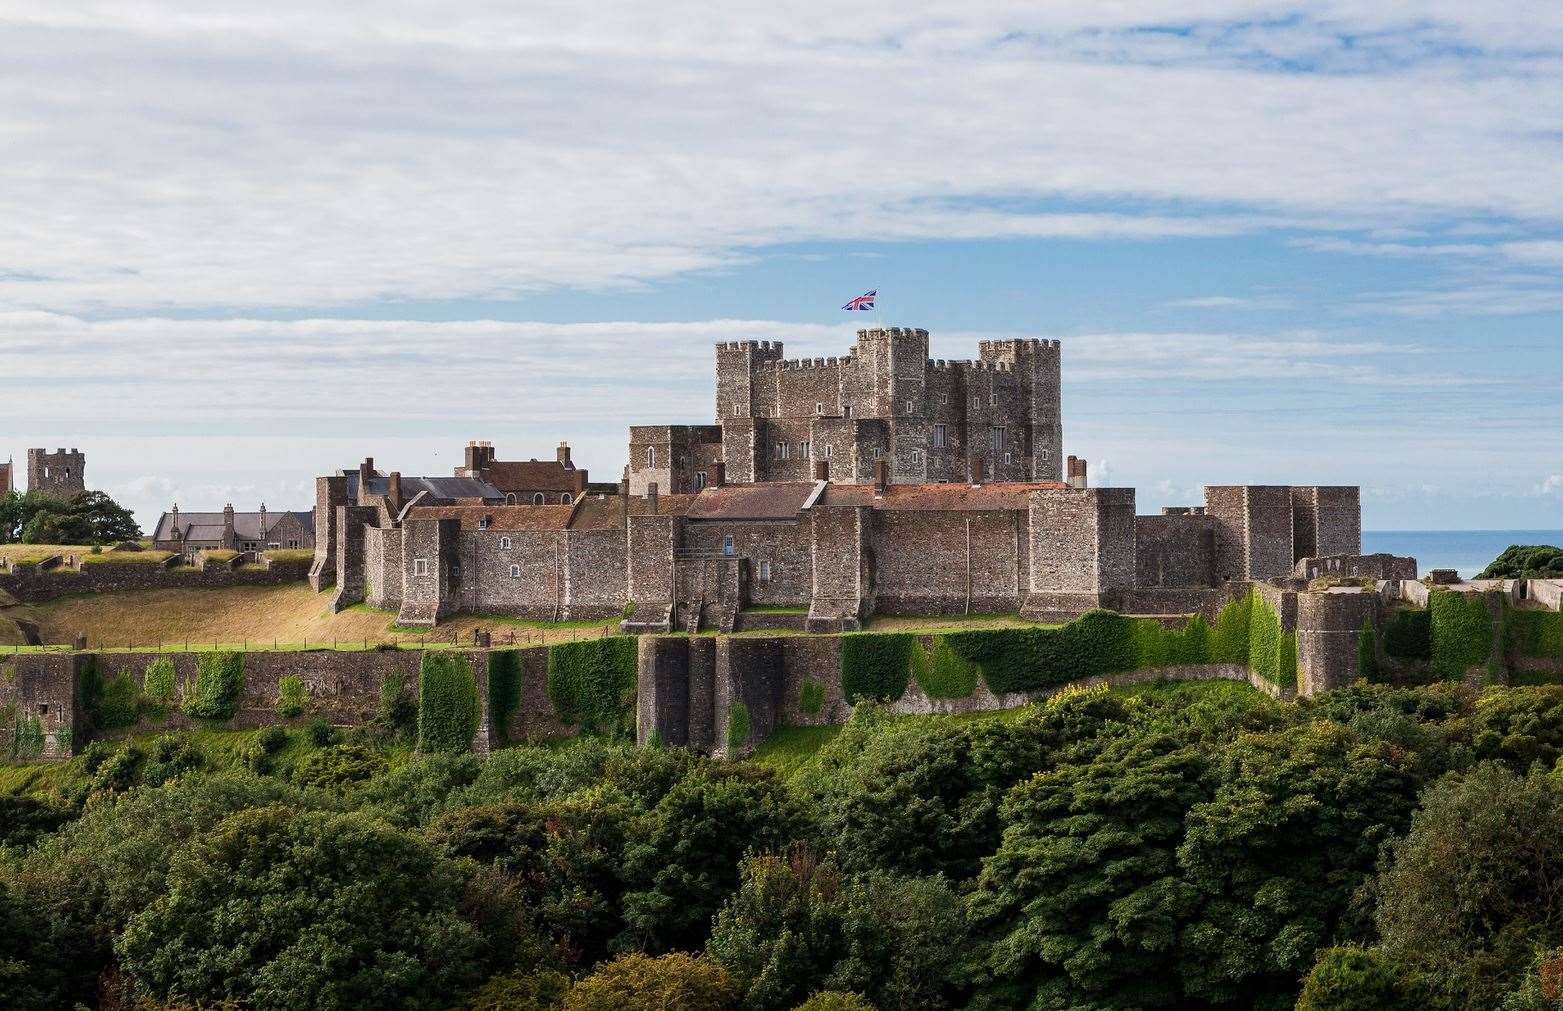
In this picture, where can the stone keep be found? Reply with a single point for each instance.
(60, 474)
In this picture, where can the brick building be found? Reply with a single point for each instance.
(777, 420)
(530, 482)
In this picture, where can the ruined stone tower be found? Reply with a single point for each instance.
(59, 474)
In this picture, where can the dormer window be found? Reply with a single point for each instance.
(537, 499)
(483, 523)
(504, 543)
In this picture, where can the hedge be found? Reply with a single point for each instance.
(1408, 634)
(504, 689)
(592, 684)
(941, 672)
(219, 681)
(1461, 632)
(737, 726)
(1536, 634)
(1024, 659)
(447, 703)
(875, 666)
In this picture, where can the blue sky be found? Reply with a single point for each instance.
(1317, 243)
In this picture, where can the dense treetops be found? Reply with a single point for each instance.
(90, 517)
(1526, 561)
(1175, 847)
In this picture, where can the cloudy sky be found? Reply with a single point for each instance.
(242, 244)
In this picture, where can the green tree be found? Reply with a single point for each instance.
(779, 935)
(283, 908)
(1357, 979)
(835, 1000)
(1526, 561)
(637, 982)
(87, 518)
(681, 860)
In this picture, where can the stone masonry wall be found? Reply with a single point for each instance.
(30, 584)
(1174, 551)
(950, 562)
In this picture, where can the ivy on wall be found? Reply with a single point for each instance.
(1537, 634)
(28, 740)
(1461, 632)
(811, 697)
(505, 670)
(157, 687)
(447, 703)
(219, 681)
(290, 696)
(1023, 659)
(1367, 652)
(592, 684)
(738, 727)
(1229, 640)
(1408, 634)
(941, 672)
(875, 666)
(110, 704)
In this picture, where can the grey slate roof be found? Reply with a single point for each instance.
(437, 487)
(209, 526)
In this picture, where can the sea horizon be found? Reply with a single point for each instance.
(1466, 551)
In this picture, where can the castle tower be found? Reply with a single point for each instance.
(60, 474)
(1035, 371)
(736, 364)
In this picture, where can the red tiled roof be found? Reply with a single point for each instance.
(602, 512)
(950, 497)
(531, 475)
(528, 517)
(771, 500)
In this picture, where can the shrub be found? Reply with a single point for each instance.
(290, 696)
(835, 1000)
(637, 982)
(1526, 561)
(519, 991)
(811, 697)
(258, 755)
(169, 756)
(447, 703)
(157, 685)
(338, 766)
(941, 672)
(1355, 979)
(592, 684)
(398, 709)
(1534, 634)
(737, 727)
(219, 681)
(504, 689)
(319, 733)
(1461, 632)
(875, 666)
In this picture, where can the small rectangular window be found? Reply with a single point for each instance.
(996, 440)
(938, 437)
(829, 449)
(420, 566)
(803, 449)
(504, 542)
(765, 571)
(515, 572)
(878, 452)
(728, 547)
(993, 399)
(908, 407)
(819, 407)
(700, 479)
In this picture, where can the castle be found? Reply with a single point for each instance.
(837, 488)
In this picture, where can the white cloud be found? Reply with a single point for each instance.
(291, 154)
(1551, 485)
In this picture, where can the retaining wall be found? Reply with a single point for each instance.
(31, 584)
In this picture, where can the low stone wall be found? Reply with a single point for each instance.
(32, 584)
(1546, 592)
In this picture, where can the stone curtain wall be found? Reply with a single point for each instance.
(951, 562)
(30, 584)
(1174, 551)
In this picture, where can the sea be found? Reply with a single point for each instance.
(1466, 551)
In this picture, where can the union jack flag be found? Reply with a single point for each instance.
(862, 303)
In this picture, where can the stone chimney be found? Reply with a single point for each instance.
(881, 477)
(718, 474)
(1075, 473)
(365, 472)
(228, 538)
(822, 470)
(976, 471)
(474, 458)
(176, 534)
(563, 456)
(263, 525)
(393, 491)
(651, 498)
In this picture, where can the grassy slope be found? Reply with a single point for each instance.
(234, 615)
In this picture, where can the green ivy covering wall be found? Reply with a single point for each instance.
(592, 684)
(505, 671)
(219, 682)
(447, 703)
(290, 696)
(737, 727)
(1272, 653)
(1408, 634)
(811, 697)
(941, 672)
(157, 687)
(1367, 652)
(875, 666)
(110, 704)
(1461, 632)
(27, 741)
(1229, 640)
(1024, 659)
(1537, 634)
